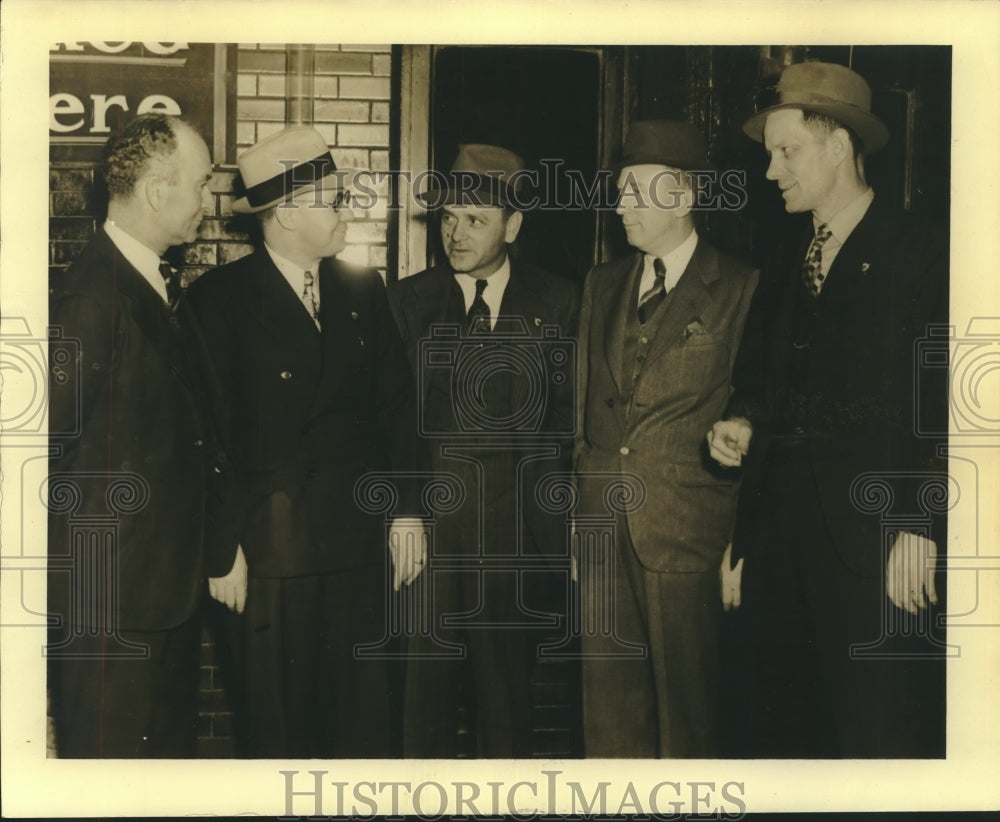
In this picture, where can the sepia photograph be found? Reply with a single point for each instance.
(602, 423)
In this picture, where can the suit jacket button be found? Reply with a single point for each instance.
(198, 443)
(623, 450)
(286, 375)
(644, 339)
(216, 469)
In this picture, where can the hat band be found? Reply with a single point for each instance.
(468, 185)
(298, 176)
(811, 98)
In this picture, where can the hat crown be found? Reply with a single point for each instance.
(832, 90)
(491, 161)
(674, 143)
(276, 154)
(816, 82)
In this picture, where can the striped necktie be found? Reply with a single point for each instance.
(655, 294)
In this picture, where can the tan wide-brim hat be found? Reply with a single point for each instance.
(482, 175)
(829, 89)
(293, 161)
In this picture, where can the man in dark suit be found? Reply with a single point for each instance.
(841, 649)
(319, 393)
(485, 333)
(659, 331)
(126, 653)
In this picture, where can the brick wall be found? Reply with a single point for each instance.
(350, 103)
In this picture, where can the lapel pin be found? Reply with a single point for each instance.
(354, 315)
(864, 267)
(538, 320)
(361, 340)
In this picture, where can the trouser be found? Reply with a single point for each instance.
(650, 690)
(112, 705)
(481, 662)
(301, 686)
(815, 689)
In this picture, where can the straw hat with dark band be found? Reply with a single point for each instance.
(829, 89)
(291, 162)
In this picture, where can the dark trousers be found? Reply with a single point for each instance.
(812, 689)
(490, 676)
(661, 701)
(300, 686)
(115, 705)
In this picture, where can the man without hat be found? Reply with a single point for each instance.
(659, 331)
(125, 654)
(319, 393)
(841, 650)
(498, 424)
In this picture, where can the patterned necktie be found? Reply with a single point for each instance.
(172, 281)
(812, 267)
(654, 296)
(479, 311)
(309, 297)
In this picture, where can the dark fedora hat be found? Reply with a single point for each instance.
(482, 175)
(673, 143)
(829, 89)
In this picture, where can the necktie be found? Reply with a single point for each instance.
(654, 296)
(479, 311)
(812, 267)
(172, 282)
(309, 297)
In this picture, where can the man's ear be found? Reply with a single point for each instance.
(287, 214)
(840, 146)
(513, 226)
(152, 190)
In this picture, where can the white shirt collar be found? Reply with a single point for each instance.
(676, 262)
(846, 220)
(141, 256)
(496, 284)
(293, 273)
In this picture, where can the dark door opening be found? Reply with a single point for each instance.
(542, 103)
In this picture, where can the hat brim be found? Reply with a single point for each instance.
(869, 128)
(342, 178)
(491, 195)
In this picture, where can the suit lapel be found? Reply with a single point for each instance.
(149, 312)
(618, 296)
(862, 256)
(688, 301)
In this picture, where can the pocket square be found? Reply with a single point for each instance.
(694, 327)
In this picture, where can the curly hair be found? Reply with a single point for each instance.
(127, 155)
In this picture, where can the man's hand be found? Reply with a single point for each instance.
(909, 573)
(729, 440)
(730, 579)
(408, 549)
(231, 590)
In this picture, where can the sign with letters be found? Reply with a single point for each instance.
(97, 87)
